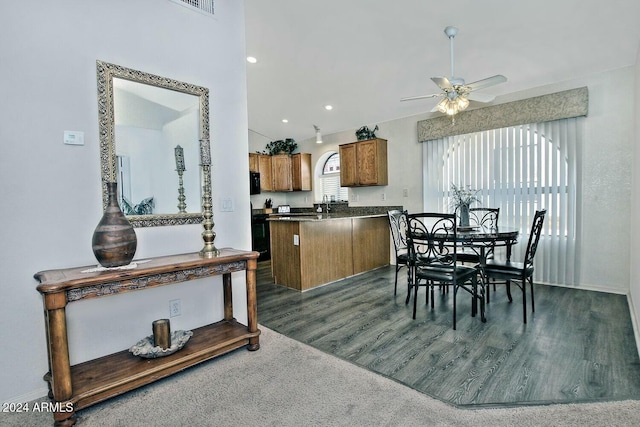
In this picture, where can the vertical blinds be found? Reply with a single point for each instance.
(519, 169)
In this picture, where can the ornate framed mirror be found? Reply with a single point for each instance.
(152, 131)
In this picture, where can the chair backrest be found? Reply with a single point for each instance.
(534, 237)
(398, 226)
(486, 217)
(431, 238)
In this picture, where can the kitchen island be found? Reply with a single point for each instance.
(310, 250)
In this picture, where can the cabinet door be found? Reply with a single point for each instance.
(367, 162)
(348, 165)
(254, 162)
(266, 176)
(301, 172)
(281, 172)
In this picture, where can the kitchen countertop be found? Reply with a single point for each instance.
(320, 217)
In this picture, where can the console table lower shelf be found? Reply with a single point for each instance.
(110, 376)
(76, 387)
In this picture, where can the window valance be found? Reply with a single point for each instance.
(555, 106)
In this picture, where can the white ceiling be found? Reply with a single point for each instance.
(362, 56)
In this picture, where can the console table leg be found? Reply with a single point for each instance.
(60, 376)
(252, 306)
(228, 296)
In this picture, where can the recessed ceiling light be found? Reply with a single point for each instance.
(251, 59)
(328, 107)
(285, 121)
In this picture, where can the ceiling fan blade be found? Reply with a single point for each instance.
(480, 97)
(442, 82)
(412, 98)
(490, 81)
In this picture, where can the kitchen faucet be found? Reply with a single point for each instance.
(325, 200)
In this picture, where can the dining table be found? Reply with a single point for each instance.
(483, 240)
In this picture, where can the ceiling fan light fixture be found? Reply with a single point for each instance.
(462, 102)
(452, 108)
(442, 105)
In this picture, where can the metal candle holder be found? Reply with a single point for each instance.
(208, 235)
(179, 152)
(162, 333)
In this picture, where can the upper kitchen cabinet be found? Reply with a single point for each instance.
(262, 163)
(282, 172)
(301, 172)
(364, 163)
(254, 162)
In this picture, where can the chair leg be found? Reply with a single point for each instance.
(487, 291)
(481, 298)
(455, 293)
(409, 284)
(433, 294)
(524, 301)
(395, 286)
(415, 300)
(509, 291)
(533, 307)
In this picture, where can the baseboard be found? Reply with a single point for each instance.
(634, 322)
(596, 288)
(28, 397)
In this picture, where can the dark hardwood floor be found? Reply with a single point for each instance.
(578, 346)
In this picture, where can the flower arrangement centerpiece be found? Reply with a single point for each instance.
(461, 200)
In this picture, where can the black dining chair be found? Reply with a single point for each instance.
(519, 272)
(432, 243)
(398, 226)
(479, 217)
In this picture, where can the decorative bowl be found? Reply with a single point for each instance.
(146, 347)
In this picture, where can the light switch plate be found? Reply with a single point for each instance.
(73, 137)
(226, 204)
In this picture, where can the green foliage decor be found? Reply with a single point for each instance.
(281, 146)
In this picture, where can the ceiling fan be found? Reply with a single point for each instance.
(455, 91)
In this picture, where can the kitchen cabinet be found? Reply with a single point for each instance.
(310, 251)
(364, 163)
(282, 172)
(301, 172)
(254, 162)
(261, 163)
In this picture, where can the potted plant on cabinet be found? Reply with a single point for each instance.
(281, 146)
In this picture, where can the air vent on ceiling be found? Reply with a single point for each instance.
(203, 6)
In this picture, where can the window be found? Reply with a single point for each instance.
(330, 179)
(519, 169)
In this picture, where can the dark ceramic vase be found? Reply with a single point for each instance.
(114, 239)
(464, 215)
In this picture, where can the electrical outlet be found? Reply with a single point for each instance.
(384, 196)
(405, 192)
(175, 308)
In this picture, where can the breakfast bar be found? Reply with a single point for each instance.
(310, 250)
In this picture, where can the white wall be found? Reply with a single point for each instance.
(50, 192)
(606, 167)
(634, 292)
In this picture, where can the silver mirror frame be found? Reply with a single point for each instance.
(105, 73)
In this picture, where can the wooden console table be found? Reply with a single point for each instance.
(76, 387)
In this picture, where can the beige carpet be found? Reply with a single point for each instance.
(287, 383)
